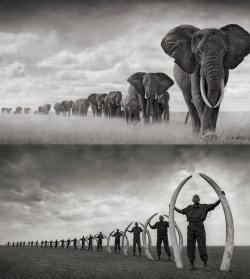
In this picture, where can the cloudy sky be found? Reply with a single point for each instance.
(55, 50)
(50, 192)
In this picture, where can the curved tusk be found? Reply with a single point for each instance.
(149, 240)
(203, 94)
(177, 255)
(125, 247)
(144, 241)
(180, 236)
(108, 241)
(228, 251)
(146, 97)
(93, 244)
(221, 94)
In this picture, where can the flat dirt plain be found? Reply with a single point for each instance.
(232, 128)
(68, 263)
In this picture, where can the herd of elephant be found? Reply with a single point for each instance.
(203, 58)
(18, 110)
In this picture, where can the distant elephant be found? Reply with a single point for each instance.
(40, 109)
(113, 103)
(58, 108)
(66, 107)
(18, 110)
(9, 110)
(101, 104)
(35, 112)
(131, 106)
(163, 107)
(26, 110)
(96, 109)
(46, 108)
(80, 107)
(203, 59)
(3, 110)
(149, 87)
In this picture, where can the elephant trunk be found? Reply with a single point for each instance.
(212, 87)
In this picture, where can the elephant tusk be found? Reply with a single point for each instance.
(228, 251)
(177, 255)
(108, 241)
(155, 97)
(203, 94)
(146, 97)
(221, 94)
(125, 247)
(149, 240)
(180, 236)
(144, 241)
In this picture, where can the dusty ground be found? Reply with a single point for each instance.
(232, 128)
(57, 263)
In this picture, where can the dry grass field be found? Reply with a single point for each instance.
(63, 263)
(232, 128)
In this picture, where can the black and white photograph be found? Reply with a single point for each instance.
(124, 72)
(124, 139)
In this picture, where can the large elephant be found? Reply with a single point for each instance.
(46, 108)
(80, 107)
(203, 59)
(131, 106)
(58, 108)
(66, 107)
(101, 104)
(113, 103)
(149, 87)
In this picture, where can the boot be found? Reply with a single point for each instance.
(191, 267)
(159, 258)
(140, 253)
(169, 258)
(134, 253)
(205, 267)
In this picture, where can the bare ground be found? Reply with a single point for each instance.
(63, 263)
(232, 128)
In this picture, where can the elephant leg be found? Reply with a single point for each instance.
(126, 115)
(143, 105)
(166, 113)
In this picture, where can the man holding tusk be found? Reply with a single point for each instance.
(117, 235)
(136, 239)
(162, 235)
(196, 215)
(99, 237)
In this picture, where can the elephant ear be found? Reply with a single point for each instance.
(177, 44)
(164, 83)
(92, 98)
(136, 81)
(238, 45)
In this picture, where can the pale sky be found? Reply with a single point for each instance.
(56, 50)
(49, 192)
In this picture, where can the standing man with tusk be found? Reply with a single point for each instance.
(83, 242)
(117, 235)
(99, 237)
(196, 215)
(136, 239)
(162, 235)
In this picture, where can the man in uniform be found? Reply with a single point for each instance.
(56, 243)
(117, 235)
(90, 239)
(162, 235)
(62, 245)
(99, 237)
(74, 242)
(196, 215)
(136, 239)
(68, 243)
(83, 242)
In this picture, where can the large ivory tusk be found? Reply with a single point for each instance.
(93, 244)
(125, 247)
(144, 241)
(228, 251)
(149, 241)
(221, 94)
(203, 94)
(180, 236)
(177, 255)
(108, 241)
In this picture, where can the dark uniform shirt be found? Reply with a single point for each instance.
(198, 213)
(162, 228)
(100, 237)
(136, 231)
(117, 235)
